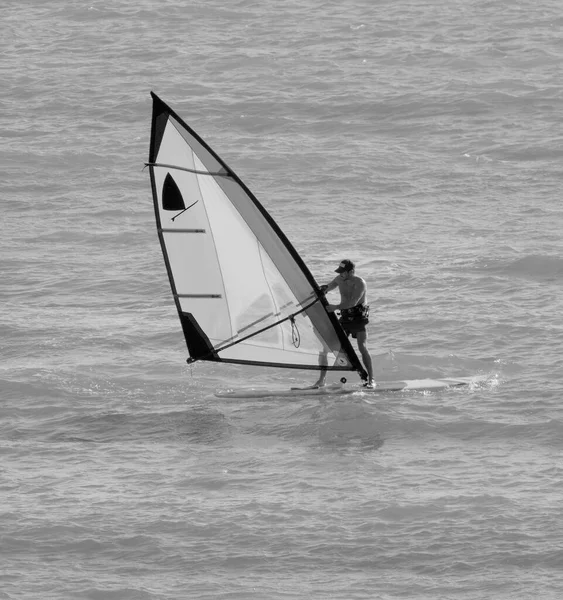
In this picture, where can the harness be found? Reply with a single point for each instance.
(356, 314)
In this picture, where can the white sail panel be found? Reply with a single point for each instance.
(242, 292)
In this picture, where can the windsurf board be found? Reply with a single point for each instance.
(344, 389)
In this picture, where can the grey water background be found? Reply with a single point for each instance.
(421, 139)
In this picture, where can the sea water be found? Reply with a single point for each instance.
(420, 138)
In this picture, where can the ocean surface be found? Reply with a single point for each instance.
(422, 139)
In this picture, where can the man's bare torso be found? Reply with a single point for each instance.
(352, 291)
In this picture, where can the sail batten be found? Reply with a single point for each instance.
(198, 295)
(266, 308)
(163, 230)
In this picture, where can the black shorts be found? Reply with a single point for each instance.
(355, 319)
(353, 327)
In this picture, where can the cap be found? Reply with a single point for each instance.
(345, 265)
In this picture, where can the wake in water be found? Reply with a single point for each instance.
(401, 365)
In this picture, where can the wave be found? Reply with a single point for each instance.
(535, 267)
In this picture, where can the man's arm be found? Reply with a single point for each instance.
(329, 286)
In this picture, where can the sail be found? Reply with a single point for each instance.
(242, 292)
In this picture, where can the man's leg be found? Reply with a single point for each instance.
(362, 347)
(323, 362)
(321, 380)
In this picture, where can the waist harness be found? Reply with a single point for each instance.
(356, 314)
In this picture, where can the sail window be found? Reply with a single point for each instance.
(171, 195)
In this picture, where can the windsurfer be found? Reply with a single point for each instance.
(354, 313)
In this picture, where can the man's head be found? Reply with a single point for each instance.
(346, 266)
